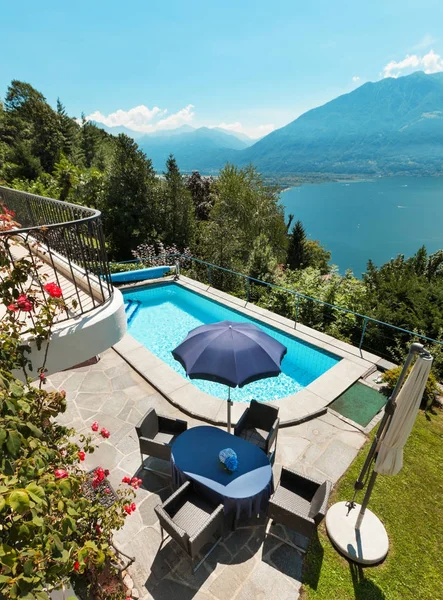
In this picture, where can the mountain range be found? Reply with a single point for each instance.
(393, 126)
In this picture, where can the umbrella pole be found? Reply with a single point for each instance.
(229, 409)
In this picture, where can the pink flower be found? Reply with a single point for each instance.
(76, 565)
(104, 433)
(136, 483)
(81, 455)
(13, 308)
(107, 491)
(94, 426)
(42, 377)
(24, 303)
(60, 474)
(53, 290)
(62, 393)
(126, 479)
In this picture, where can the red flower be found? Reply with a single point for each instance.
(99, 473)
(13, 308)
(42, 377)
(60, 474)
(24, 303)
(136, 483)
(133, 507)
(94, 426)
(127, 509)
(107, 491)
(106, 472)
(95, 483)
(81, 455)
(53, 290)
(104, 433)
(126, 479)
(76, 565)
(98, 529)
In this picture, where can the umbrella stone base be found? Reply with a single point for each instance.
(366, 546)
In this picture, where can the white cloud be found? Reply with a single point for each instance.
(429, 63)
(356, 78)
(251, 131)
(183, 116)
(143, 119)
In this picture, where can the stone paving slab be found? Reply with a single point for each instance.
(244, 566)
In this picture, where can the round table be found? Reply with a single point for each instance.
(195, 457)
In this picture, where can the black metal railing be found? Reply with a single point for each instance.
(65, 238)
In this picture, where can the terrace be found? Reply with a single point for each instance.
(65, 243)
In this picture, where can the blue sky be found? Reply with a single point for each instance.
(250, 65)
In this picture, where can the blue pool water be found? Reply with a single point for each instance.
(160, 317)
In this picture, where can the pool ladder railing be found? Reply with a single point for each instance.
(131, 308)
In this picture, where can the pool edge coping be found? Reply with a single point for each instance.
(182, 394)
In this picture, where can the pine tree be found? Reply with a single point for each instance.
(296, 249)
(178, 209)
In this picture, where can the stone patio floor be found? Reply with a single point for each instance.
(243, 566)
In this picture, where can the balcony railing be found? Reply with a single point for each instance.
(65, 242)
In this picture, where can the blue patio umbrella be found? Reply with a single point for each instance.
(231, 353)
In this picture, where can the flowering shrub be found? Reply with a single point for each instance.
(50, 530)
(155, 255)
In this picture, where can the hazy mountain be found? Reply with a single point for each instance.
(391, 126)
(241, 136)
(201, 149)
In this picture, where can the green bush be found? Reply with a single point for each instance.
(390, 378)
(123, 267)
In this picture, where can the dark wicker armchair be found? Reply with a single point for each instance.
(259, 425)
(192, 521)
(156, 434)
(299, 503)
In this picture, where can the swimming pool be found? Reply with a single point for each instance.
(161, 315)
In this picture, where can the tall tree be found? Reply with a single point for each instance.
(69, 131)
(129, 207)
(202, 196)
(297, 247)
(178, 210)
(33, 124)
(243, 199)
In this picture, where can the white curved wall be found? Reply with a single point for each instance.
(74, 341)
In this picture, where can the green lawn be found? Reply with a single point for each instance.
(410, 505)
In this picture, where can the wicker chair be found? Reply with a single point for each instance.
(259, 425)
(298, 503)
(156, 434)
(192, 521)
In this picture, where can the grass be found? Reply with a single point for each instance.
(410, 505)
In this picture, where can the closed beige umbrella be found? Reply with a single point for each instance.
(390, 451)
(360, 535)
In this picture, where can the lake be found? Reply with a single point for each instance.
(375, 219)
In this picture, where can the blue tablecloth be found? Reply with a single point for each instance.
(195, 457)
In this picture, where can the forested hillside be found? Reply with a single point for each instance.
(392, 126)
(235, 221)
